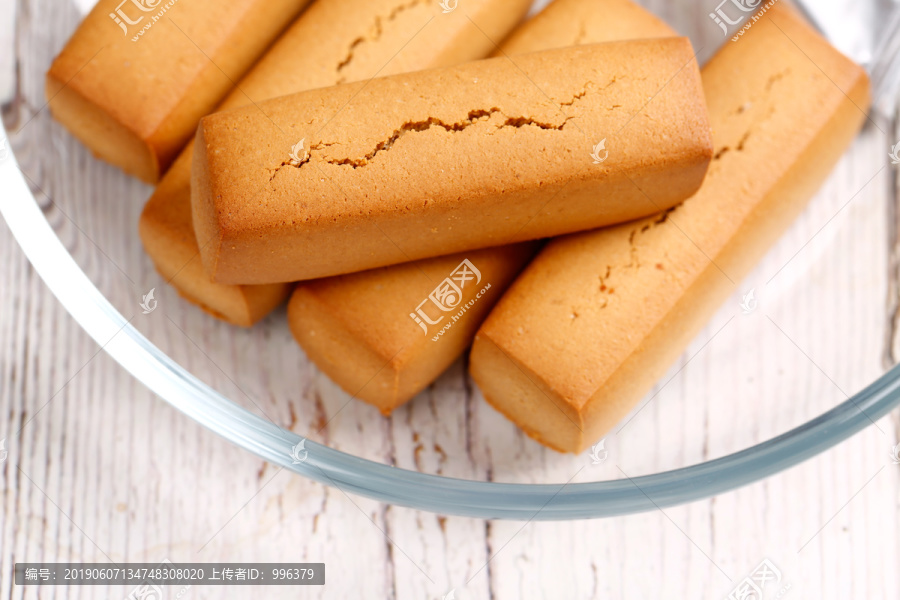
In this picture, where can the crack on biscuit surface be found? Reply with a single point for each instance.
(581, 35)
(377, 32)
(776, 78)
(589, 84)
(581, 94)
(473, 117)
(605, 288)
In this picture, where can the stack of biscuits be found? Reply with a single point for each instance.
(569, 197)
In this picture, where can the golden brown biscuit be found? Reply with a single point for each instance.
(168, 237)
(385, 334)
(390, 363)
(357, 176)
(137, 75)
(598, 317)
(332, 42)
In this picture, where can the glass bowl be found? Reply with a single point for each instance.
(754, 394)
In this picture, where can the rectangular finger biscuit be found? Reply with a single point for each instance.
(137, 75)
(357, 176)
(332, 42)
(598, 317)
(384, 335)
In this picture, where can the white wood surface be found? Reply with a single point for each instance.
(99, 469)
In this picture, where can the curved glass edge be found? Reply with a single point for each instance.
(152, 367)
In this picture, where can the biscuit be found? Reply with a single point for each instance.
(598, 317)
(136, 76)
(383, 335)
(357, 176)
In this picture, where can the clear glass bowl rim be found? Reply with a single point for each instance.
(444, 495)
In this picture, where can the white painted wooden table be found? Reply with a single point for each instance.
(99, 469)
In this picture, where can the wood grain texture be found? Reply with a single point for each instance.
(99, 469)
